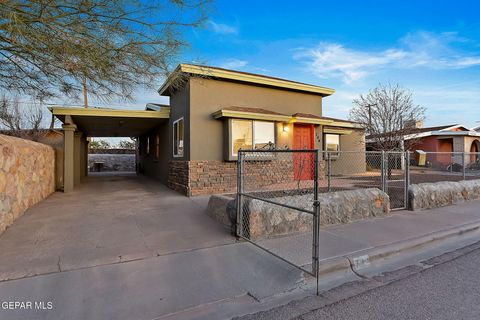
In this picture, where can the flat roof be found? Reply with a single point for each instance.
(240, 76)
(105, 122)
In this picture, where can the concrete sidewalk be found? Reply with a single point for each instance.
(229, 279)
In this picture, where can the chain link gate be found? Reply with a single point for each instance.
(278, 208)
(395, 177)
(278, 194)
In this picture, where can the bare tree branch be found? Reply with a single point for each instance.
(48, 48)
(21, 122)
(388, 114)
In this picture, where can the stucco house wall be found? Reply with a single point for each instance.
(351, 162)
(203, 169)
(445, 145)
(208, 96)
(157, 166)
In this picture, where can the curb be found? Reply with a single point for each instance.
(353, 262)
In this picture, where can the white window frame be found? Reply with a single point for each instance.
(231, 155)
(178, 155)
(333, 154)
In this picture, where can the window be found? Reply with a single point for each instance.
(250, 134)
(157, 146)
(332, 143)
(263, 134)
(178, 138)
(148, 146)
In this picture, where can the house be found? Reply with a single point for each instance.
(441, 142)
(214, 112)
(192, 144)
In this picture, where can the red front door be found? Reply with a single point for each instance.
(303, 163)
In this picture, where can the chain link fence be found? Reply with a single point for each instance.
(444, 166)
(278, 191)
(277, 195)
(366, 169)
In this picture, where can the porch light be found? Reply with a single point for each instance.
(285, 127)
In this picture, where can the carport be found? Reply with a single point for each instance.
(81, 123)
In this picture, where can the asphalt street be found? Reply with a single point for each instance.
(446, 291)
(449, 289)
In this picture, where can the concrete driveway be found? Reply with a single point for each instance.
(108, 219)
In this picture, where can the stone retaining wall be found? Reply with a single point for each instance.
(439, 194)
(112, 151)
(112, 162)
(264, 220)
(27, 175)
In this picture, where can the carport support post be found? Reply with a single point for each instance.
(68, 156)
(463, 166)
(78, 157)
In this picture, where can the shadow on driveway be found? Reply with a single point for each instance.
(107, 219)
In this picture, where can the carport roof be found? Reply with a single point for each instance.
(103, 122)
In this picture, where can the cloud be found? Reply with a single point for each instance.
(421, 49)
(221, 28)
(233, 64)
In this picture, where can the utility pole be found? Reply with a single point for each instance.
(369, 106)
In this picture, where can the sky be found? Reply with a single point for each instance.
(431, 48)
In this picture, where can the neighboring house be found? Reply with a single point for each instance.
(215, 112)
(192, 144)
(443, 140)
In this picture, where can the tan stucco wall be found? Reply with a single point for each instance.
(354, 160)
(27, 175)
(469, 141)
(208, 96)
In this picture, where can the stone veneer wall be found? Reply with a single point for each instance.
(424, 196)
(194, 178)
(112, 162)
(264, 220)
(27, 175)
(178, 176)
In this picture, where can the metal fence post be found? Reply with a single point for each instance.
(382, 171)
(239, 220)
(329, 171)
(316, 222)
(463, 166)
(407, 176)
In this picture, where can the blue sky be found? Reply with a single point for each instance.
(429, 47)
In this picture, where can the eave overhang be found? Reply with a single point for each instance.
(327, 122)
(103, 122)
(227, 113)
(337, 131)
(250, 115)
(164, 113)
(212, 72)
